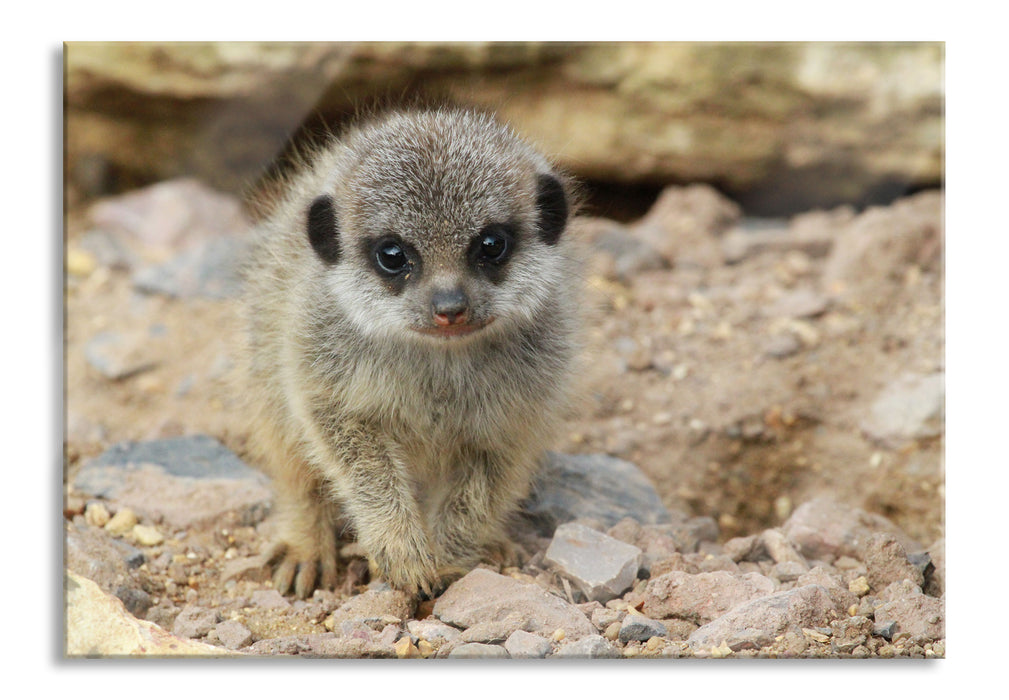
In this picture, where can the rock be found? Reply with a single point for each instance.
(186, 482)
(887, 562)
(490, 632)
(788, 571)
(798, 303)
(702, 597)
(825, 529)
(122, 522)
(119, 355)
(98, 624)
(591, 647)
(525, 645)
(233, 634)
(136, 600)
(912, 407)
(878, 244)
(269, 599)
(607, 489)
(246, 569)
(684, 223)
(780, 549)
(841, 594)
(108, 562)
(147, 536)
(195, 621)
(478, 651)
(811, 234)
(756, 623)
(919, 615)
(483, 596)
(782, 345)
(781, 142)
(848, 633)
(749, 548)
(600, 566)
(433, 631)
(627, 254)
(208, 269)
(935, 583)
(375, 608)
(640, 629)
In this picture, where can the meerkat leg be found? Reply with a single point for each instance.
(378, 497)
(305, 552)
(469, 524)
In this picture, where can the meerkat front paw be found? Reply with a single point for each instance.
(303, 567)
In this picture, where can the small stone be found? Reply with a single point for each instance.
(885, 629)
(612, 631)
(147, 536)
(119, 356)
(601, 566)
(604, 617)
(425, 648)
(96, 514)
(194, 622)
(558, 635)
(912, 407)
(886, 561)
(788, 571)
(780, 549)
(591, 647)
(122, 522)
(433, 631)
(80, 262)
(269, 599)
(859, 586)
(233, 634)
(641, 629)
(405, 649)
(137, 601)
(478, 651)
(525, 645)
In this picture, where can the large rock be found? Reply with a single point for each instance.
(98, 624)
(825, 529)
(481, 596)
(600, 566)
(701, 598)
(784, 126)
(184, 481)
(595, 487)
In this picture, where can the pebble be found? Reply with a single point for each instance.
(96, 514)
(525, 645)
(269, 599)
(478, 651)
(591, 647)
(912, 407)
(233, 634)
(406, 649)
(122, 522)
(118, 356)
(641, 629)
(860, 586)
(194, 622)
(601, 566)
(147, 536)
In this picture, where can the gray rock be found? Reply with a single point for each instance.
(136, 600)
(756, 623)
(525, 645)
(825, 529)
(912, 407)
(607, 489)
(119, 355)
(483, 596)
(701, 598)
(433, 631)
(599, 565)
(478, 651)
(194, 622)
(641, 629)
(96, 555)
(885, 629)
(209, 269)
(186, 481)
(233, 634)
(593, 646)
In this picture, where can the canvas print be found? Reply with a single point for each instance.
(504, 350)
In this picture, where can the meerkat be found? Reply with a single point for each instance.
(412, 316)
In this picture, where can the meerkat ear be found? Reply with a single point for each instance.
(323, 229)
(552, 205)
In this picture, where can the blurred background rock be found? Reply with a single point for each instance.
(778, 127)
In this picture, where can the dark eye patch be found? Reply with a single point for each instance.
(492, 248)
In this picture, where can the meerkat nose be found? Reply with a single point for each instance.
(449, 307)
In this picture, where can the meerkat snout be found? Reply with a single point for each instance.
(449, 307)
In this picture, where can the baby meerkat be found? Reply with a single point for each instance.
(412, 314)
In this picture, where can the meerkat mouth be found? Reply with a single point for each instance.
(455, 331)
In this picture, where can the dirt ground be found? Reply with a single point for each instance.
(735, 411)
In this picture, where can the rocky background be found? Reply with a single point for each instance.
(757, 469)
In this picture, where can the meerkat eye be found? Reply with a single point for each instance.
(494, 245)
(391, 258)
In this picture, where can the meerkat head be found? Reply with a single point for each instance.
(440, 226)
